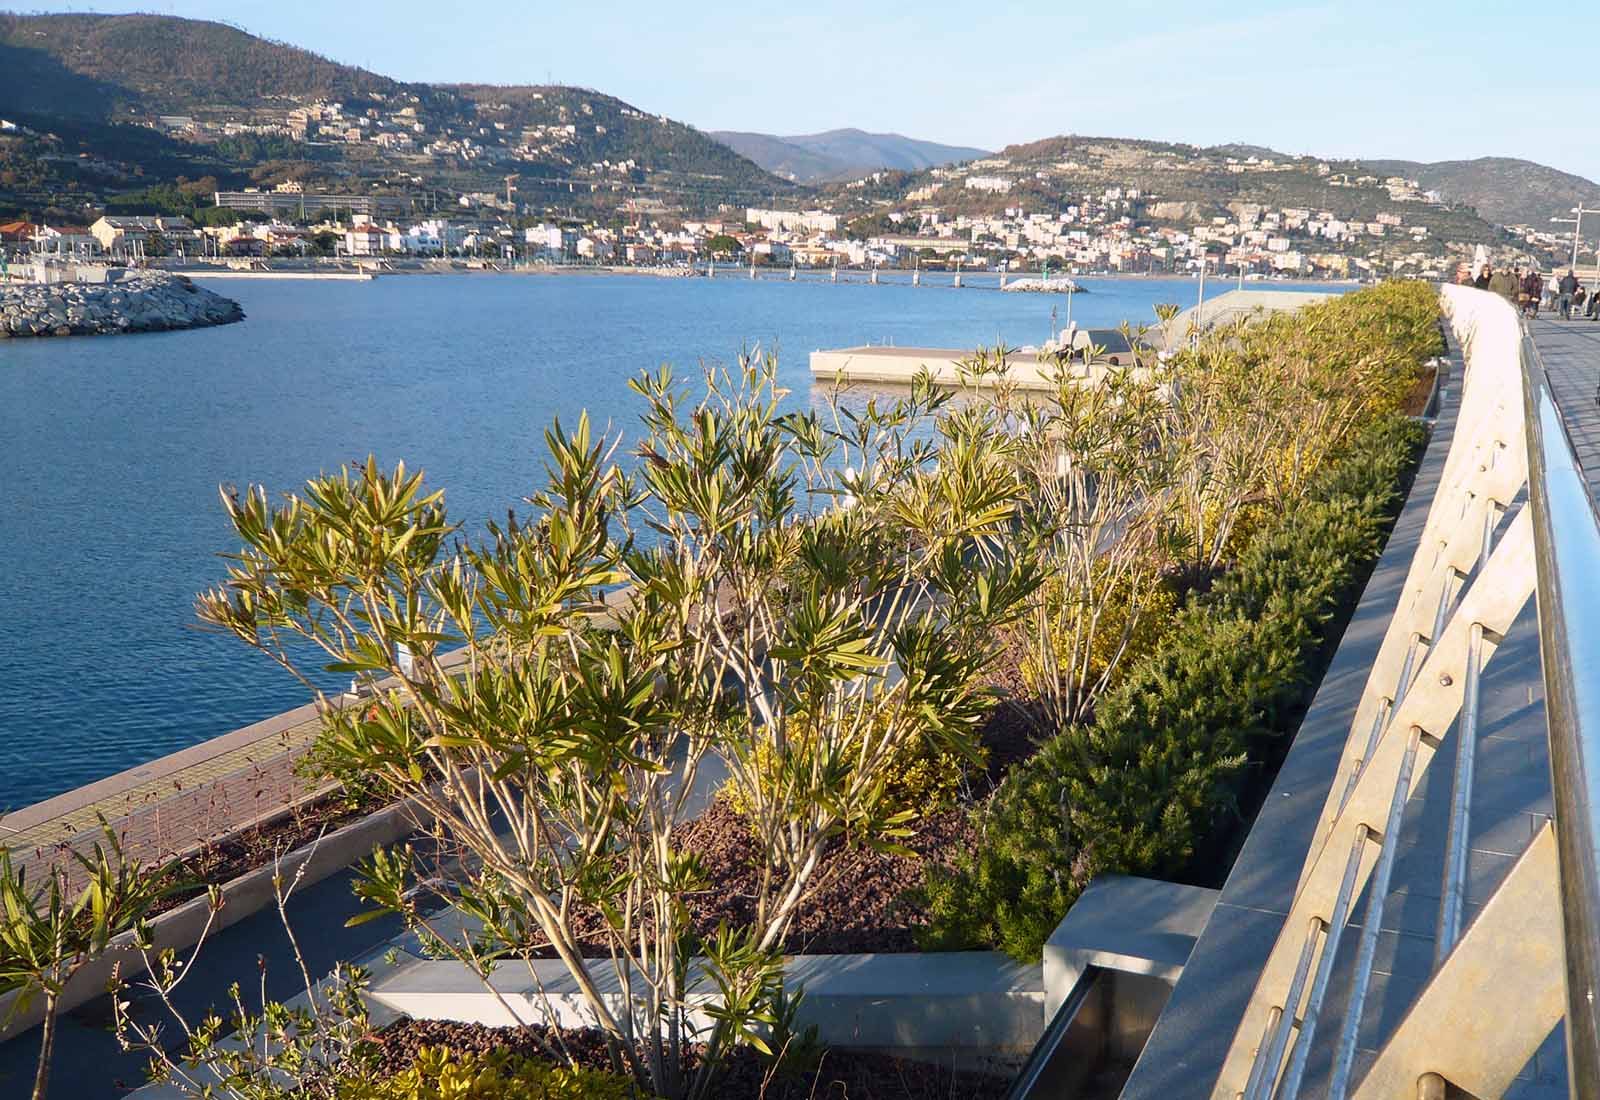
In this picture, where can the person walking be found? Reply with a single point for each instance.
(1482, 281)
(1564, 292)
(1505, 284)
(1532, 288)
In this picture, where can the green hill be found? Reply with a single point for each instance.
(1504, 190)
(162, 63)
(92, 81)
(1180, 185)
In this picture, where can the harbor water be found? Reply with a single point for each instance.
(114, 448)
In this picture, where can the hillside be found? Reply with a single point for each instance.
(1176, 185)
(143, 94)
(84, 65)
(1503, 190)
(841, 154)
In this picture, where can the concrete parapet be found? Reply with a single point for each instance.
(1127, 924)
(968, 1000)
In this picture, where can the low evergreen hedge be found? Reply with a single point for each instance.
(1159, 773)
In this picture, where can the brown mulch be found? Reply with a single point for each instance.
(1416, 402)
(862, 898)
(860, 904)
(221, 861)
(840, 1075)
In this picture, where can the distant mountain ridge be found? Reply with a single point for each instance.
(90, 79)
(1505, 190)
(841, 154)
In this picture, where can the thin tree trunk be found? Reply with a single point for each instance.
(47, 1042)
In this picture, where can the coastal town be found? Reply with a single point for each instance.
(1112, 232)
(1073, 206)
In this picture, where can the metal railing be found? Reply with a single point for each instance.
(1512, 515)
(1566, 535)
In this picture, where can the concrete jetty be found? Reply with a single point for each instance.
(1023, 365)
(1230, 306)
(273, 273)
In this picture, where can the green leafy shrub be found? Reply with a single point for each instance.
(921, 777)
(804, 648)
(1158, 771)
(441, 1074)
(1134, 616)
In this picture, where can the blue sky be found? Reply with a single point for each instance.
(1422, 81)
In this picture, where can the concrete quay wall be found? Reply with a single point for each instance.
(899, 366)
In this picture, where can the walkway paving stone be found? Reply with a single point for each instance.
(1571, 354)
(172, 806)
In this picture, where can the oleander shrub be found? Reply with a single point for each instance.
(809, 651)
(921, 776)
(1158, 770)
(1133, 618)
(438, 1073)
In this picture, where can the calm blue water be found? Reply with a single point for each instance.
(113, 448)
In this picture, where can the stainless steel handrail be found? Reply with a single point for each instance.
(1566, 529)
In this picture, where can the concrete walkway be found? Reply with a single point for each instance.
(1511, 801)
(1571, 354)
(173, 805)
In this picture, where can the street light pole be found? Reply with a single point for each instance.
(1577, 230)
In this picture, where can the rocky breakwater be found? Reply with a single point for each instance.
(1043, 286)
(145, 301)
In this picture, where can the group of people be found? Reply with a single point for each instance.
(1530, 292)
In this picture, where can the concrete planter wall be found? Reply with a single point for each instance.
(242, 897)
(964, 1002)
(961, 1005)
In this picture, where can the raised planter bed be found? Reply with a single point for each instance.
(838, 1075)
(247, 892)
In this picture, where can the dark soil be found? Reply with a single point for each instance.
(1416, 402)
(225, 859)
(861, 899)
(839, 1075)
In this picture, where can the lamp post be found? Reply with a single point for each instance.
(1577, 229)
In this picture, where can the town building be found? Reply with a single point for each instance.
(293, 201)
(792, 221)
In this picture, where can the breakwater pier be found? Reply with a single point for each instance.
(128, 301)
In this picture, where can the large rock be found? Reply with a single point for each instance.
(141, 301)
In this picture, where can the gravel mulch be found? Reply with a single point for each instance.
(860, 899)
(840, 1075)
(223, 860)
